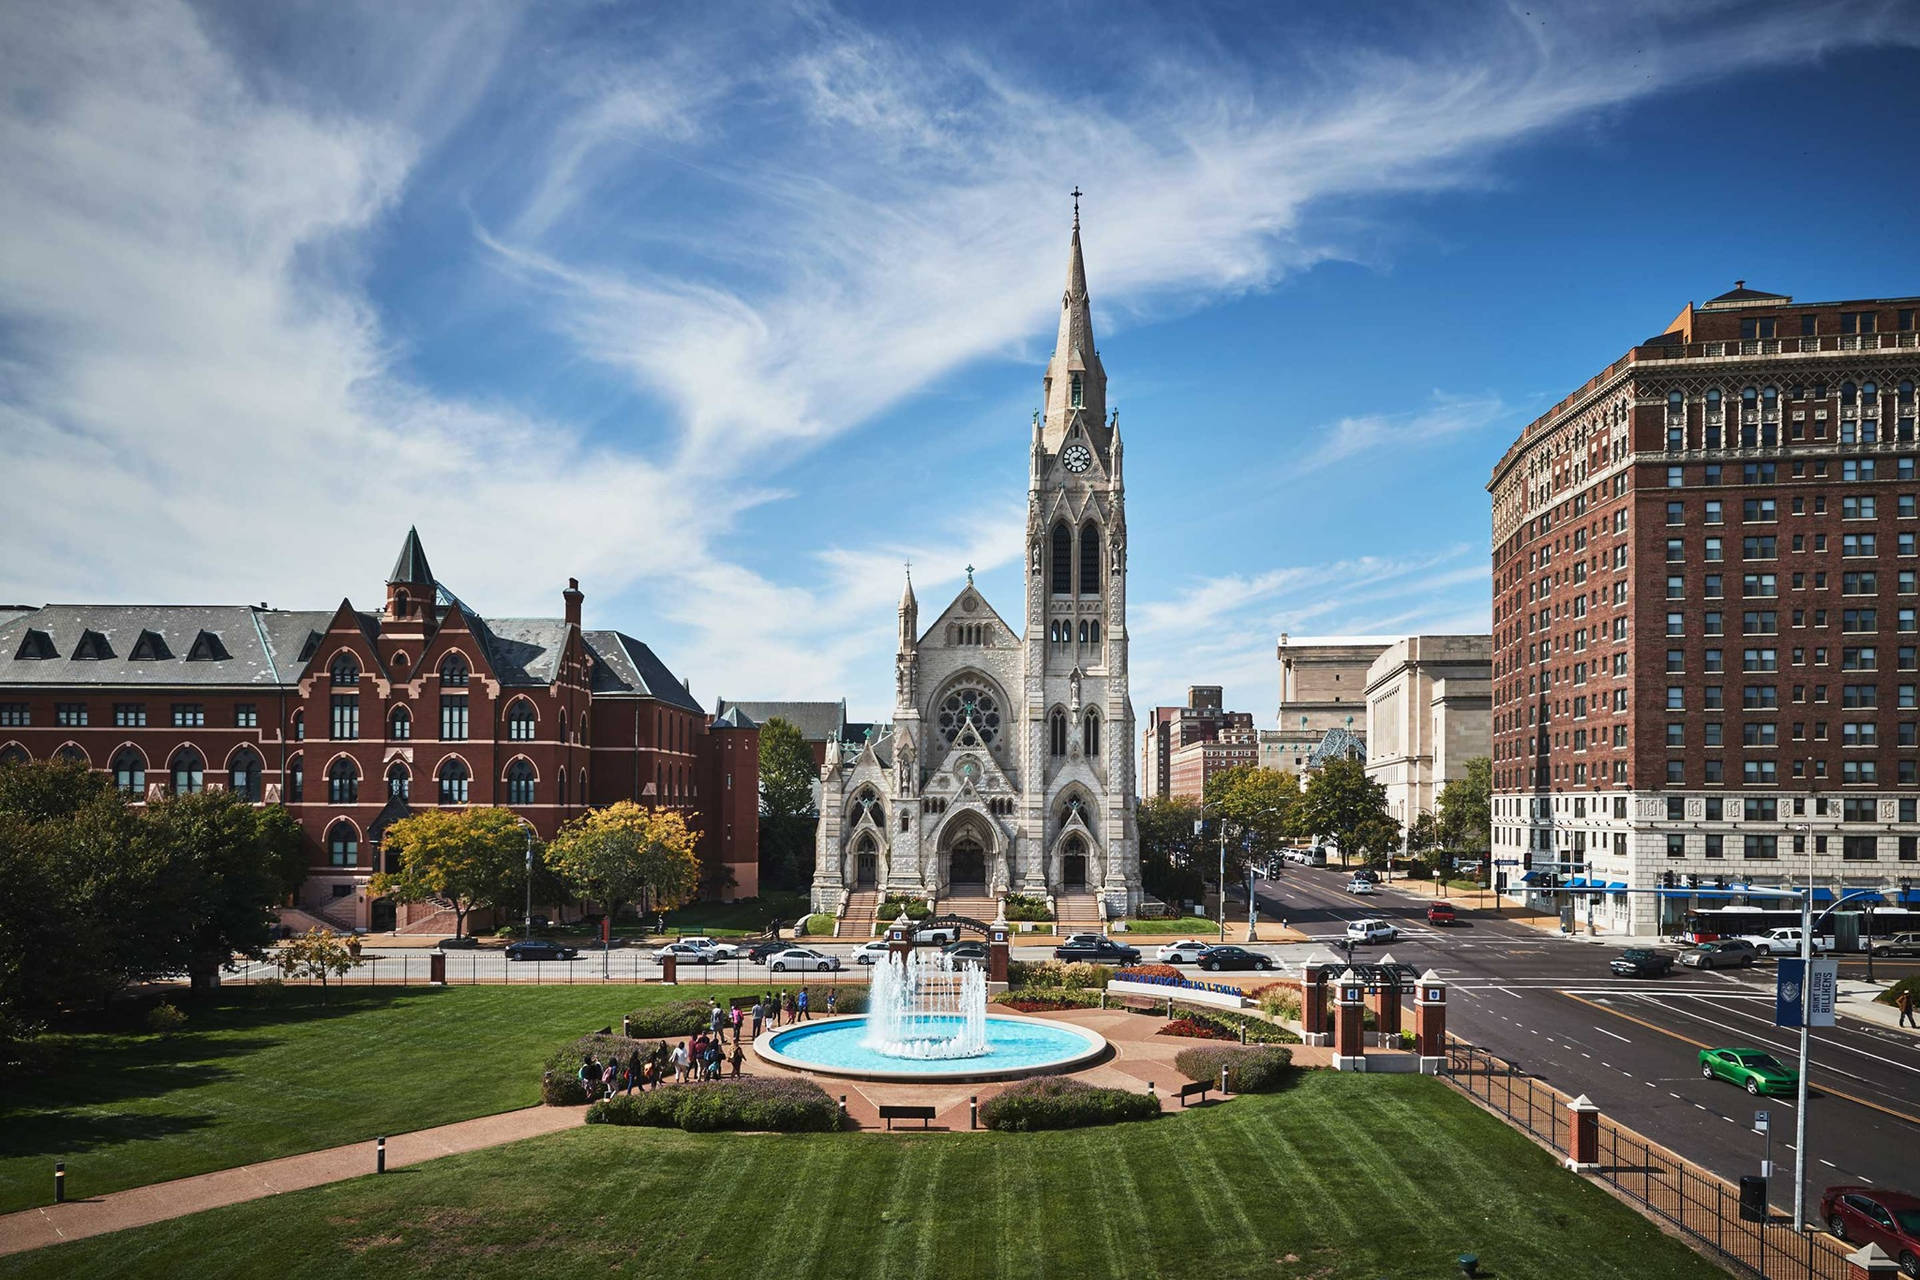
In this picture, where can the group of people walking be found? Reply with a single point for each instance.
(705, 1055)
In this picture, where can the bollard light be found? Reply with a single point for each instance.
(1150, 1088)
(380, 1155)
(1223, 1080)
(59, 1181)
(1469, 1264)
(973, 1111)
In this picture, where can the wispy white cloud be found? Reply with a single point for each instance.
(1446, 417)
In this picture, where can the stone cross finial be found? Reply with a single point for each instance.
(1076, 206)
(969, 575)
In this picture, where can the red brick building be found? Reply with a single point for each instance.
(1237, 747)
(1705, 646)
(352, 719)
(1171, 728)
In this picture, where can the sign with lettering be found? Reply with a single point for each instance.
(1823, 990)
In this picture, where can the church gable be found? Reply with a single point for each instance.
(969, 623)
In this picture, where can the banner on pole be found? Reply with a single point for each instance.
(1786, 991)
(1822, 982)
(1823, 990)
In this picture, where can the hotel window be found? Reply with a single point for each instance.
(1859, 848)
(1760, 847)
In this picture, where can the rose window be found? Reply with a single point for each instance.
(970, 707)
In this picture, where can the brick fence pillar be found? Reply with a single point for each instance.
(1313, 1004)
(1430, 1022)
(1349, 1035)
(997, 953)
(1869, 1262)
(1384, 995)
(900, 938)
(1583, 1135)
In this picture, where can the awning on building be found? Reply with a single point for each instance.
(1616, 884)
(1532, 877)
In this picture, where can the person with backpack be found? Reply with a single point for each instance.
(590, 1077)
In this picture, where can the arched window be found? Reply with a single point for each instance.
(1713, 400)
(343, 844)
(520, 782)
(520, 721)
(344, 671)
(1094, 629)
(969, 706)
(400, 723)
(1090, 734)
(453, 671)
(130, 772)
(453, 779)
(401, 603)
(562, 787)
(583, 788)
(1083, 631)
(1078, 392)
(1062, 560)
(1749, 399)
(1870, 395)
(296, 780)
(867, 803)
(299, 726)
(399, 781)
(1089, 559)
(563, 724)
(243, 774)
(1057, 733)
(1770, 400)
(71, 754)
(13, 753)
(189, 772)
(1906, 393)
(343, 782)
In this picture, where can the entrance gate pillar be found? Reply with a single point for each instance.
(900, 938)
(1583, 1135)
(1313, 1004)
(997, 949)
(1385, 998)
(1349, 1023)
(1430, 1022)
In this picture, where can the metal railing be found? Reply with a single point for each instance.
(1655, 1180)
(480, 968)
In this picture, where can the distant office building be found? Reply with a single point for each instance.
(1429, 711)
(1193, 764)
(1169, 729)
(1323, 686)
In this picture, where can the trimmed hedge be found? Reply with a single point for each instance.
(754, 1103)
(1892, 994)
(818, 925)
(560, 1082)
(665, 1021)
(1058, 1102)
(1046, 999)
(1024, 906)
(1262, 1070)
(915, 909)
(1053, 973)
(845, 1000)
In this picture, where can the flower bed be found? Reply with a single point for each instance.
(1281, 999)
(1047, 999)
(1134, 971)
(1165, 975)
(1195, 1029)
(1053, 973)
(560, 1080)
(1058, 1102)
(763, 1105)
(912, 908)
(1261, 1070)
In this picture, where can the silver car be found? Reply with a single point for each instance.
(803, 958)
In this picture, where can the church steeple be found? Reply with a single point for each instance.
(1076, 385)
(909, 615)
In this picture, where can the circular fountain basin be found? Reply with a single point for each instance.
(1015, 1047)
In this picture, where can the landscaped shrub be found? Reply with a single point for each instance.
(847, 1000)
(1196, 1029)
(1052, 973)
(915, 909)
(1281, 999)
(1892, 994)
(754, 1103)
(1148, 971)
(1057, 1102)
(1024, 906)
(560, 1079)
(818, 925)
(1047, 999)
(664, 1021)
(164, 1019)
(1260, 1070)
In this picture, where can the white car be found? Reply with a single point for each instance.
(687, 953)
(1185, 951)
(1371, 931)
(804, 958)
(1360, 886)
(1784, 942)
(721, 950)
(869, 952)
(938, 934)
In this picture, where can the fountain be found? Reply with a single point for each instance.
(928, 1020)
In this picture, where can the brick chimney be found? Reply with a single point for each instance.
(573, 597)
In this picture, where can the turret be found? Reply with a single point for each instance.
(1075, 383)
(909, 616)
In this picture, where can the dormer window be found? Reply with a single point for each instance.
(35, 645)
(1077, 395)
(150, 648)
(207, 648)
(93, 647)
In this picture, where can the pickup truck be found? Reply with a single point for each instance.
(1784, 942)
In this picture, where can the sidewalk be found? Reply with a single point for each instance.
(139, 1206)
(1859, 999)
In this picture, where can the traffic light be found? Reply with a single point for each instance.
(1667, 880)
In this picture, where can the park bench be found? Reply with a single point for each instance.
(923, 1114)
(1200, 1087)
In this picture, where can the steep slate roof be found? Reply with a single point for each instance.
(522, 651)
(733, 718)
(412, 565)
(623, 665)
(816, 721)
(262, 645)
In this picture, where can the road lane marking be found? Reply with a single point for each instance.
(1622, 1039)
(1875, 1106)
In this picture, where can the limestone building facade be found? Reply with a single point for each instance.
(1429, 711)
(1008, 766)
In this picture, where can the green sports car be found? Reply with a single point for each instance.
(1755, 1070)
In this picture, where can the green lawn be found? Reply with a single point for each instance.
(246, 1082)
(733, 919)
(1342, 1178)
(1179, 927)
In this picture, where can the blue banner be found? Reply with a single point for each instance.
(1787, 995)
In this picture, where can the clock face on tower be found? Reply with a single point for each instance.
(1076, 458)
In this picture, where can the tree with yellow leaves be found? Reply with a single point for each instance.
(625, 853)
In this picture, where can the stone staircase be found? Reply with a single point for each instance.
(320, 915)
(975, 906)
(1077, 913)
(858, 919)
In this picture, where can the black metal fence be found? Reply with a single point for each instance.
(481, 967)
(1658, 1182)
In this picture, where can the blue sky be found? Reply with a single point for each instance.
(729, 310)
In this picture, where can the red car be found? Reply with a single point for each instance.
(1440, 913)
(1890, 1219)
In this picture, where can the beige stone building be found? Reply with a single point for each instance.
(1429, 710)
(1323, 684)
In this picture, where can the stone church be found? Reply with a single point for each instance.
(1008, 765)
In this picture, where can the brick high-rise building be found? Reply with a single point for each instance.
(1705, 647)
(1234, 747)
(1169, 729)
(353, 718)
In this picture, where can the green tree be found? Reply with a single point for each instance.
(1257, 805)
(319, 955)
(1341, 804)
(224, 872)
(625, 853)
(1169, 849)
(1466, 809)
(469, 857)
(788, 818)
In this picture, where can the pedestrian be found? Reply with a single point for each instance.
(590, 1077)
(759, 1016)
(1905, 1005)
(713, 1060)
(633, 1069)
(832, 1000)
(715, 1018)
(800, 1003)
(786, 1006)
(735, 1013)
(680, 1060)
(739, 1056)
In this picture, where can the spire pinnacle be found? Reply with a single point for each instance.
(412, 565)
(1076, 385)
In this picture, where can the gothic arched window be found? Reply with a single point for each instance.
(189, 772)
(868, 802)
(400, 723)
(13, 753)
(243, 774)
(1090, 734)
(520, 721)
(1089, 559)
(970, 706)
(453, 779)
(344, 671)
(1062, 560)
(520, 782)
(1078, 391)
(296, 780)
(399, 781)
(1057, 733)
(1093, 629)
(343, 782)
(130, 772)
(454, 671)
(343, 844)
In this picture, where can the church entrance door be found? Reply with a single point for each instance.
(1073, 871)
(866, 873)
(967, 866)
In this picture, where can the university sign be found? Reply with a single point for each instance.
(1821, 988)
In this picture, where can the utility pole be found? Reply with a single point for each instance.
(1806, 972)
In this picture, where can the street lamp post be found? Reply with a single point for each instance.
(1223, 879)
(1806, 971)
(527, 923)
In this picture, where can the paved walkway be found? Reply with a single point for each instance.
(138, 1206)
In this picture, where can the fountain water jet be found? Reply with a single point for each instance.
(926, 1006)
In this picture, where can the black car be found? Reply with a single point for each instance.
(760, 952)
(1098, 950)
(540, 949)
(971, 952)
(1640, 962)
(1218, 958)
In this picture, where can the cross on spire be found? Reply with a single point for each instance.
(969, 575)
(1075, 193)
